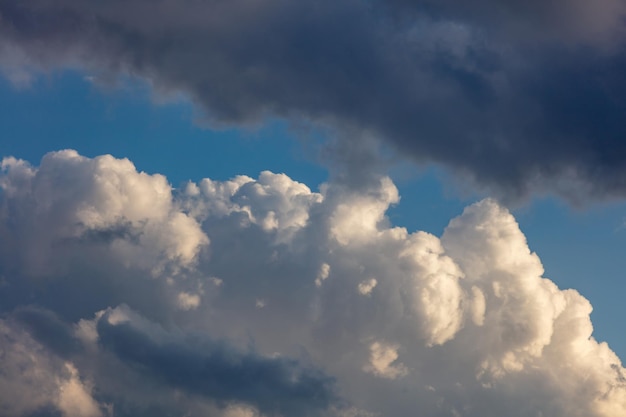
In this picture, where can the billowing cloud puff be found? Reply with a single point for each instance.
(110, 200)
(109, 214)
(382, 357)
(517, 96)
(122, 297)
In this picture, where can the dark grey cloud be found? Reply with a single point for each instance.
(49, 330)
(517, 96)
(133, 348)
(560, 20)
(46, 412)
(105, 235)
(276, 386)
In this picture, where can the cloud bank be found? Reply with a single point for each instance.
(121, 296)
(515, 96)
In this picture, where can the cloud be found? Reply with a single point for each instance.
(517, 97)
(382, 358)
(462, 324)
(366, 287)
(75, 399)
(95, 215)
(561, 20)
(323, 274)
(273, 385)
(33, 379)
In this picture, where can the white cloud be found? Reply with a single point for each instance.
(366, 287)
(323, 274)
(461, 324)
(98, 215)
(187, 301)
(75, 398)
(73, 197)
(383, 361)
(355, 219)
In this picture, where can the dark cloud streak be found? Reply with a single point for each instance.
(220, 372)
(49, 330)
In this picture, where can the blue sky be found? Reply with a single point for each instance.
(317, 208)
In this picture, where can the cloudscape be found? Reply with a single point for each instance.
(260, 297)
(126, 293)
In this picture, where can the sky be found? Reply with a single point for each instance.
(318, 208)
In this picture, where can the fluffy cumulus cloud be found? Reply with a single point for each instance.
(123, 297)
(517, 96)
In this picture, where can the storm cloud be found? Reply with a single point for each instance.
(514, 96)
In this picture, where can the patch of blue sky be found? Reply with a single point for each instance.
(65, 110)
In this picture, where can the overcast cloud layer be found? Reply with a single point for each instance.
(258, 297)
(519, 96)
